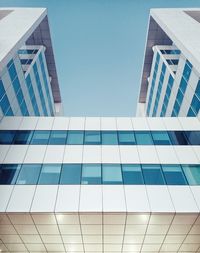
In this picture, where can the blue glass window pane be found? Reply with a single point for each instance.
(92, 137)
(191, 113)
(7, 136)
(161, 138)
(71, 174)
(143, 138)
(112, 174)
(23, 137)
(58, 137)
(91, 174)
(126, 137)
(40, 137)
(153, 174)
(9, 173)
(75, 137)
(173, 175)
(192, 173)
(50, 174)
(195, 104)
(193, 137)
(12, 70)
(109, 138)
(187, 70)
(29, 174)
(132, 174)
(178, 138)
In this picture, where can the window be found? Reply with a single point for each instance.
(193, 137)
(50, 174)
(126, 137)
(23, 137)
(143, 138)
(9, 173)
(109, 138)
(7, 136)
(187, 70)
(192, 173)
(152, 174)
(178, 138)
(132, 174)
(112, 174)
(29, 174)
(58, 137)
(75, 137)
(173, 175)
(161, 138)
(70, 174)
(40, 137)
(92, 138)
(91, 174)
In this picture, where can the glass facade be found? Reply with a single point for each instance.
(76, 137)
(95, 174)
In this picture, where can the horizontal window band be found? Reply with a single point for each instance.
(97, 174)
(80, 137)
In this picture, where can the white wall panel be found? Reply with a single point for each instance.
(35, 154)
(186, 154)
(73, 154)
(166, 155)
(16, 154)
(136, 198)
(110, 154)
(108, 123)
(124, 123)
(155, 123)
(60, 123)
(196, 193)
(140, 123)
(68, 198)
(129, 154)
(91, 198)
(54, 154)
(77, 123)
(44, 123)
(147, 154)
(92, 123)
(3, 151)
(92, 154)
(45, 198)
(21, 198)
(5, 193)
(28, 123)
(10, 123)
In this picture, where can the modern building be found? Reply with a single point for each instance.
(170, 79)
(89, 184)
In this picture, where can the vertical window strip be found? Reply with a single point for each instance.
(195, 104)
(167, 96)
(4, 102)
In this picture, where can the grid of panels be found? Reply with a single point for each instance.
(97, 232)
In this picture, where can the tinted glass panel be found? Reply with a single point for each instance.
(91, 174)
(58, 137)
(112, 174)
(75, 137)
(9, 173)
(178, 138)
(29, 174)
(23, 137)
(161, 138)
(192, 173)
(193, 137)
(132, 174)
(92, 137)
(50, 174)
(40, 137)
(71, 174)
(126, 137)
(153, 174)
(143, 138)
(173, 175)
(6, 137)
(109, 138)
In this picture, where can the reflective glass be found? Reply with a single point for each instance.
(193, 137)
(152, 174)
(92, 137)
(109, 138)
(9, 173)
(192, 173)
(75, 137)
(23, 137)
(143, 138)
(161, 138)
(91, 174)
(7, 136)
(50, 174)
(126, 137)
(58, 137)
(173, 175)
(132, 174)
(112, 174)
(178, 138)
(70, 174)
(40, 137)
(29, 174)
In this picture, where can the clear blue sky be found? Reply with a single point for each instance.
(99, 48)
